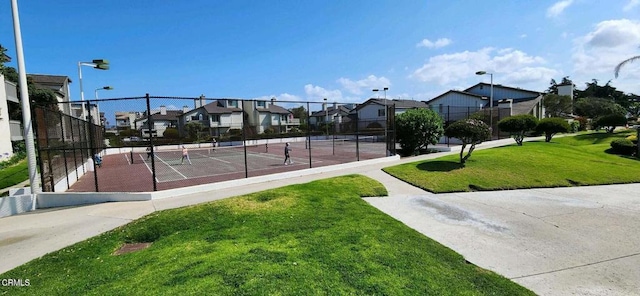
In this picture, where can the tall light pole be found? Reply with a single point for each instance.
(100, 64)
(24, 98)
(490, 99)
(326, 116)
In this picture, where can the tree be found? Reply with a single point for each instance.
(193, 129)
(301, 113)
(518, 125)
(557, 105)
(609, 122)
(634, 109)
(607, 92)
(551, 126)
(417, 128)
(595, 107)
(553, 88)
(470, 132)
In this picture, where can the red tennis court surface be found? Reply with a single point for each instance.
(132, 172)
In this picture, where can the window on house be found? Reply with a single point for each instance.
(232, 103)
(215, 118)
(261, 104)
(199, 116)
(380, 112)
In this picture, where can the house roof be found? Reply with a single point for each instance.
(49, 79)
(216, 107)
(524, 105)
(275, 109)
(458, 92)
(331, 111)
(402, 104)
(482, 84)
(171, 115)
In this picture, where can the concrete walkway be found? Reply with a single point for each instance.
(562, 241)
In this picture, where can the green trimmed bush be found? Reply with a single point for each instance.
(623, 146)
(518, 125)
(551, 126)
(575, 126)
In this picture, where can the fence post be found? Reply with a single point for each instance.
(37, 140)
(92, 145)
(309, 131)
(73, 146)
(244, 141)
(357, 134)
(66, 169)
(153, 156)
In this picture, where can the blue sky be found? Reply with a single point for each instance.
(308, 50)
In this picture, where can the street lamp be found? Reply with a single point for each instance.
(101, 88)
(490, 99)
(386, 117)
(326, 116)
(100, 64)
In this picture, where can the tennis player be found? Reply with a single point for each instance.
(287, 149)
(185, 154)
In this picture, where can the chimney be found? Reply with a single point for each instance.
(201, 100)
(185, 109)
(273, 101)
(163, 110)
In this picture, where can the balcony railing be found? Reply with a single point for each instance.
(15, 130)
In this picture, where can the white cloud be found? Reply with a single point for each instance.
(366, 84)
(442, 42)
(557, 8)
(596, 54)
(317, 93)
(513, 67)
(523, 36)
(631, 5)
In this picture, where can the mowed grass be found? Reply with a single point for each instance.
(319, 238)
(567, 161)
(14, 174)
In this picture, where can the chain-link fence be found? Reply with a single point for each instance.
(155, 143)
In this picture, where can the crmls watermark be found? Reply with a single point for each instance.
(15, 282)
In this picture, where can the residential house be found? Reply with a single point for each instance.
(262, 114)
(218, 117)
(161, 120)
(336, 114)
(8, 95)
(371, 113)
(127, 120)
(59, 84)
(507, 101)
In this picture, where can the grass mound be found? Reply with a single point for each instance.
(307, 239)
(566, 161)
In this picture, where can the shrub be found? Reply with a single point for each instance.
(623, 146)
(611, 121)
(518, 125)
(575, 126)
(633, 139)
(584, 123)
(551, 126)
(470, 132)
(171, 133)
(416, 129)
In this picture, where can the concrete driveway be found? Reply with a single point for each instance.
(559, 241)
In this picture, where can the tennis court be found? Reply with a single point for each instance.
(133, 171)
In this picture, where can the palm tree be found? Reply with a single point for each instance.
(629, 60)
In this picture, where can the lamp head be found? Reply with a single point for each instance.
(385, 89)
(375, 89)
(481, 72)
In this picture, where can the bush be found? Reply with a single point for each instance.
(623, 147)
(171, 133)
(633, 139)
(551, 126)
(518, 125)
(416, 129)
(584, 123)
(575, 126)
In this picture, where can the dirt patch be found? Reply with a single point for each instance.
(130, 248)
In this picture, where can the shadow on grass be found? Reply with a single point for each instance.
(440, 166)
(630, 157)
(599, 137)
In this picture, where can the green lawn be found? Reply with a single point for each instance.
(566, 161)
(14, 174)
(317, 238)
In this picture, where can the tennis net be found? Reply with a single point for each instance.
(209, 152)
(349, 142)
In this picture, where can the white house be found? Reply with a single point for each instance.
(9, 130)
(336, 114)
(161, 120)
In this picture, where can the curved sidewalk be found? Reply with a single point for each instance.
(561, 241)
